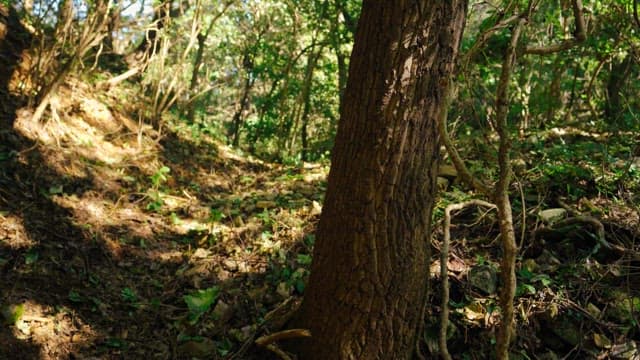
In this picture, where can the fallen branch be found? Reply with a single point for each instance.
(120, 78)
(268, 341)
(282, 335)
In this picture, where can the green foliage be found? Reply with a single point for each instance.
(216, 215)
(154, 194)
(11, 314)
(160, 176)
(31, 257)
(128, 295)
(200, 302)
(529, 281)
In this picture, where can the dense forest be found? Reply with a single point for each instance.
(319, 179)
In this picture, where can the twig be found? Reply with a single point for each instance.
(444, 259)
(266, 340)
(456, 159)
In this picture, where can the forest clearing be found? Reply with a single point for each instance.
(319, 179)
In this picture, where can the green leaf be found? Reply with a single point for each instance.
(543, 279)
(200, 302)
(31, 257)
(525, 289)
(128, 295)
(215, 215)
(74, 296)
(304, 259)
(55, 190)
(12, 314)
(525, 274)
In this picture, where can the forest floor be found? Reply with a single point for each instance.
(121, 242)
(117, 246)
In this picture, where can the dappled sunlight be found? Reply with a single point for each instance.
(13, 234)
(164, 203)
(56, 330)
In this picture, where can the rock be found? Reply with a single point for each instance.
(448, 171)
(566, 329)
(550, 216)
(484, 278)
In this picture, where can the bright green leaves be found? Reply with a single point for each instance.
(200, 302)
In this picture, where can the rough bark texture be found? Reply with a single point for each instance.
(368, 280)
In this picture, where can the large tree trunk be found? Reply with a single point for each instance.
(370, 267)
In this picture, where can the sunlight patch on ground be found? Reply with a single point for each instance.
(13, 235)
(88, 210)
(52, 329)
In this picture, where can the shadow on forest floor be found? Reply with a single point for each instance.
(99, 245)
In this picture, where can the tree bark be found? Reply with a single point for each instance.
(238, 116)
(370, 268)
(618, 77)
(306, 98)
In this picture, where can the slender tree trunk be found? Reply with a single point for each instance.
(370, 263)
(237, 121)
(620, 72)
(197, 64)
(304, 131)
(336, 44)
(161, 16)
(199, 60)
(556, 95)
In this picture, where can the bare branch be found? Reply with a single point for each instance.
(462, 169)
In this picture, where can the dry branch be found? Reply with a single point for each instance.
(463, 171)
(266, 340)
